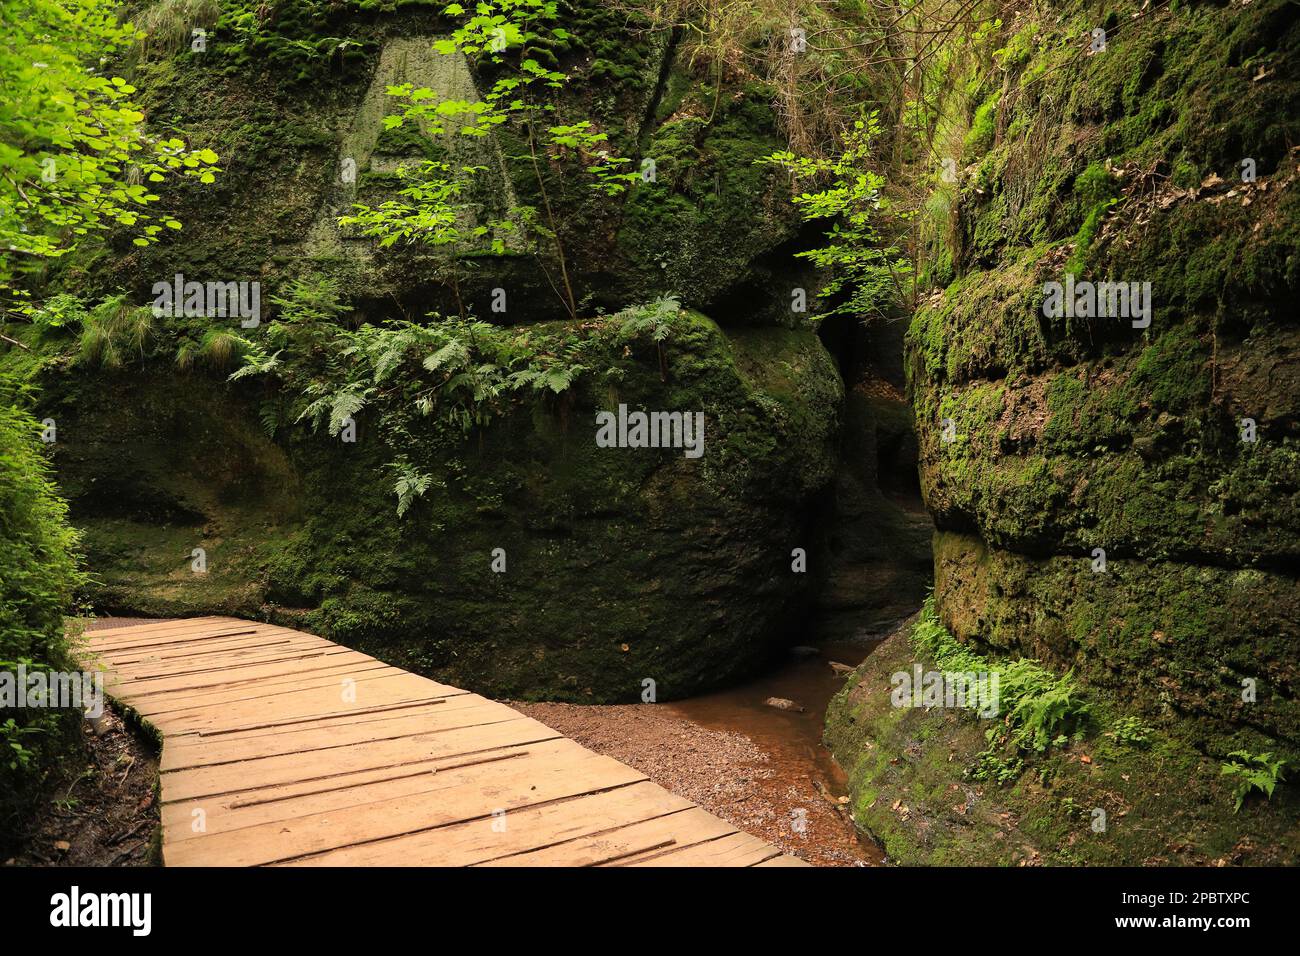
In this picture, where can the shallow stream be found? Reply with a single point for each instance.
(791, 738)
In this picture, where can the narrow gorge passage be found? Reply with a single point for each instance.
(781, 434)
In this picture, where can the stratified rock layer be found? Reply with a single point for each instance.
(1098, 501)
(1073, 435)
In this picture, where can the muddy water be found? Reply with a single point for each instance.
(802, 767)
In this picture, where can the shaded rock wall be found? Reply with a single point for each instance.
(1047, 440)
(875, 532)
(1073, 434)
(620, 565)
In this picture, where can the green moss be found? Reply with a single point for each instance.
(980, 135)
(712, 211)
(1163, 800)
(1095, 191)
(409, 140)
(603, 546)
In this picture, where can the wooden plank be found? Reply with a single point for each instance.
(675, 831)
(784, 861)
(322, 721)
(156, 704)
(242, 672)
(529, 828)
(263, 772)
(189, 637)
(512, 784)
(286, 749)
(137, 660)
(312, 697)
(207, 647)
(275, 722)
(163, 628)
(238, 811)
(265, 675)
(159, 706)
(118, 650)
(168, 623)
(739, 849)
(468, 710)
(233, 674)
(150, 670)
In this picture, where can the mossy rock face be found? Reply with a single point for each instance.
(1045, 441)
(1139, 453)
(290, 129)
(1098, 506)
(1153, 640)
(1162, 801)
(706, 228)
(621, 564)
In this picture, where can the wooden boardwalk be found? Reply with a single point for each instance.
(282, 748)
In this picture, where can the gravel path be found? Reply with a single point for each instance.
(724, 772)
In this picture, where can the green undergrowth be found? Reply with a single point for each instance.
(1253, 773)
(39, 573)
(1041, 708)
(1117, 791)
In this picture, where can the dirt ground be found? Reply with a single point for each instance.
(725, 772)
(105, 812)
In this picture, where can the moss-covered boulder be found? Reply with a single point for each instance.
(538, 564)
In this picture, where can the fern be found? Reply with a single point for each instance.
(1041, 708)
(653, 321)
(268, 413)
(411, 484)
(458, 374)
(256, 362)
(1253, 772)
(454, 354)
(345, 405)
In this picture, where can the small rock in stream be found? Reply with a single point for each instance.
(783, 703)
